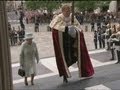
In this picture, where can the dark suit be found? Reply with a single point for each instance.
(95, 39)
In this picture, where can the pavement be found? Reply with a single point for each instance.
(106, 77)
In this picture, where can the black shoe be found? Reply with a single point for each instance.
(26, 83)
(65, 79)
(32, 83)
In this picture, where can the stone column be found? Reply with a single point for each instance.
(5, 59)
(118, 5)
(118, 9)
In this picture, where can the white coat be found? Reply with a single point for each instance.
(28, 55)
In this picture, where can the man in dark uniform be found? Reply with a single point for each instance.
(36, 24)
(21, 20)
(95, 39)
(99, 37)
(92, 26)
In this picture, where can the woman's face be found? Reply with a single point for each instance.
(29, 41)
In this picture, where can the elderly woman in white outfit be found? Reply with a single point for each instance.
(28, 55)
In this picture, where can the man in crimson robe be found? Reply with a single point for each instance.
(69, 45)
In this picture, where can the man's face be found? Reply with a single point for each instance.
(66, 12)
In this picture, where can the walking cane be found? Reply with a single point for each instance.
(72, 19)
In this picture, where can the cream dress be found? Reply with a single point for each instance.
(28, 55)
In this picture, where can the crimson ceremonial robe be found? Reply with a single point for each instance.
(69, 46)
(76, 52)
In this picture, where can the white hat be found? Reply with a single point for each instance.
(28, 36)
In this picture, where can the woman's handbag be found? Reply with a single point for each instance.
(21, 72)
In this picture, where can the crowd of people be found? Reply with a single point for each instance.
(113, 41)
(16, 36)
(108, 36)
(98, 17)
(43, 17)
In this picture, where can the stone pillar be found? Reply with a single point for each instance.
(118, 9)
(118, 5)
(5, 59)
